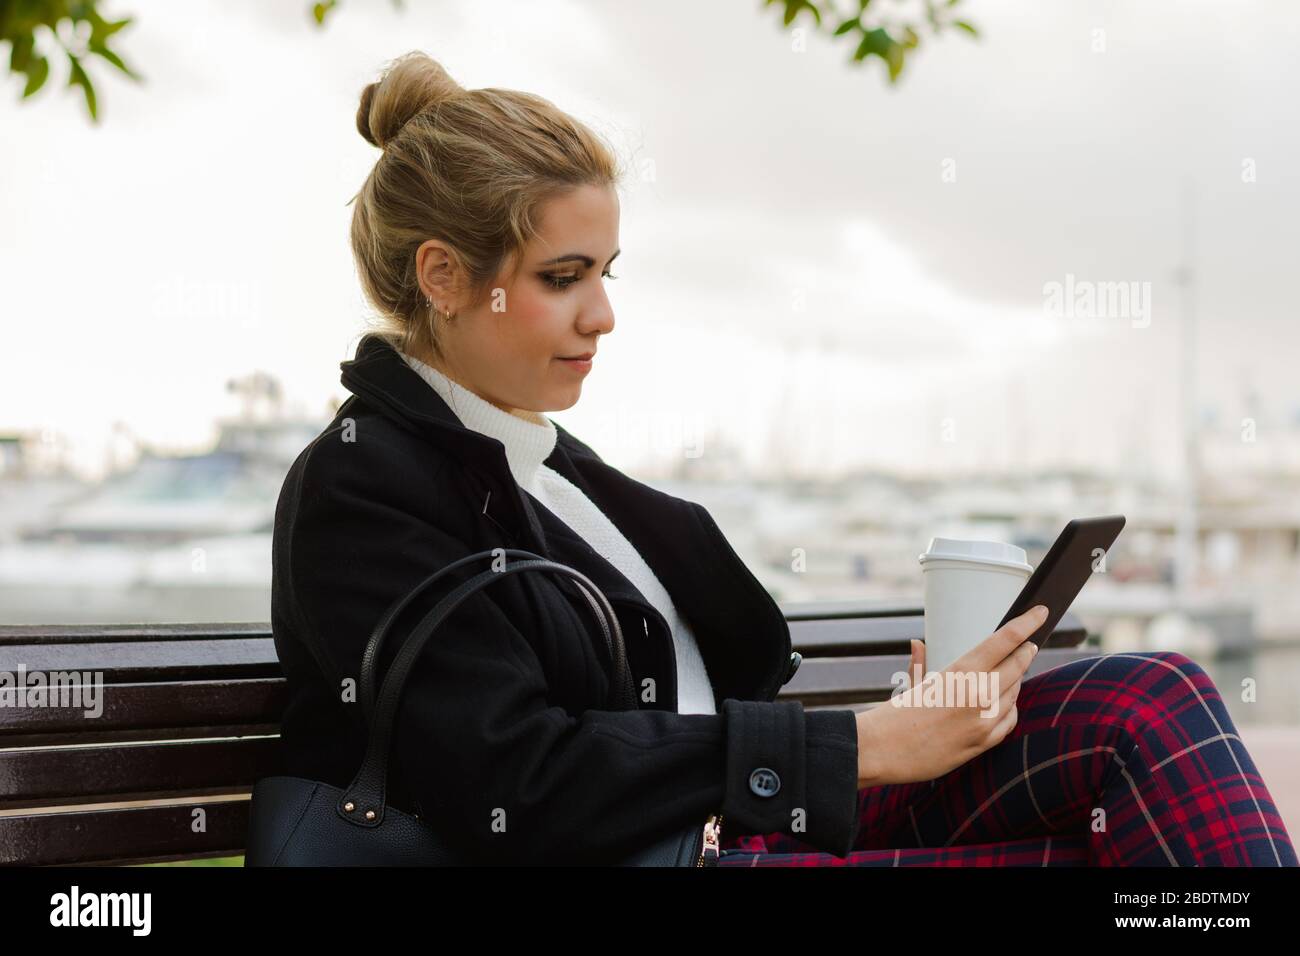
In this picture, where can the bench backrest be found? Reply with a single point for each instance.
(190, 720)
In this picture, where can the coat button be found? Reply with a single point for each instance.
(795, 660)
(764, 782)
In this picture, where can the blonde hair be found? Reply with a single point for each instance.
(469, 167)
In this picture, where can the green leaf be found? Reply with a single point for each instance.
(321, 10)
(894, 57)
(845, 27)
(963, 25)
(101, 29)
(103, 51)
(876, 42)
(78, 77)
(20, 53)
(37, 70)
(114, 27)
(792, 8)
(913, 39)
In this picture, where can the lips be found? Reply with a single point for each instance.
(585, 356)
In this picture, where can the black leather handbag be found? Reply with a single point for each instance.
(294, 821)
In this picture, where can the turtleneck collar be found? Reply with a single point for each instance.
(528, 441)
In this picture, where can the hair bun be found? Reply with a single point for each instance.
(408, 86)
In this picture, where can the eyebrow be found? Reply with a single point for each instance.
(585, 260)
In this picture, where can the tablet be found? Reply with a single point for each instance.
(1078, 550)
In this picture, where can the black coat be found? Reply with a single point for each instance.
(502, 739)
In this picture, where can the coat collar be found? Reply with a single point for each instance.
(743, 635)
(529, 440)
(379, 374)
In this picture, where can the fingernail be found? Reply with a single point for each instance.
(1040, 610)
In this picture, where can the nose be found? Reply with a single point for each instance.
(598, 317)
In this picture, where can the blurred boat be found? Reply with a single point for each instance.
(173, 538)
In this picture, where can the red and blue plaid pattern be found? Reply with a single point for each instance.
(1117, 760)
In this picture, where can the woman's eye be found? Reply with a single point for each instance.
(560, 282)
(564, 281)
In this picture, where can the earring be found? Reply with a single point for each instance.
(437, 312)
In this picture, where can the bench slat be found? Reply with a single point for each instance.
(125, 662)
(850, 636)
(106, 633)
(125, 835)
(175, 652)
(174, 707)
(845, 680)
(141, 771)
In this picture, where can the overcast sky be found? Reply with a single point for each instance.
(825, 270)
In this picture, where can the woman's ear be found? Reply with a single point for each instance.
(438, 272)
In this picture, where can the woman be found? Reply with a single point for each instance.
(481, 237)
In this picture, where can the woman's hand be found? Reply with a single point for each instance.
(916, 667)
(910, 738)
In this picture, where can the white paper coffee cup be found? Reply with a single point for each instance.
(969, 585)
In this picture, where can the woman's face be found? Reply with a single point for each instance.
(511, 349)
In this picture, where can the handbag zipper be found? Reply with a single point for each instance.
(712, 840)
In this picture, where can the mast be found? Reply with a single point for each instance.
(1185, 557)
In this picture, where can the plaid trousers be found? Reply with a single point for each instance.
(1117, 760)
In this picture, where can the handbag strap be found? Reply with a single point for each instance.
(370, 657)
(363, 802)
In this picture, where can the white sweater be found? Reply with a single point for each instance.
(528, 442)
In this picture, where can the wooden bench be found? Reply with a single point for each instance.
(190, 720)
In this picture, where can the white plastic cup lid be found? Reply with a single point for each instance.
(981, 552)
